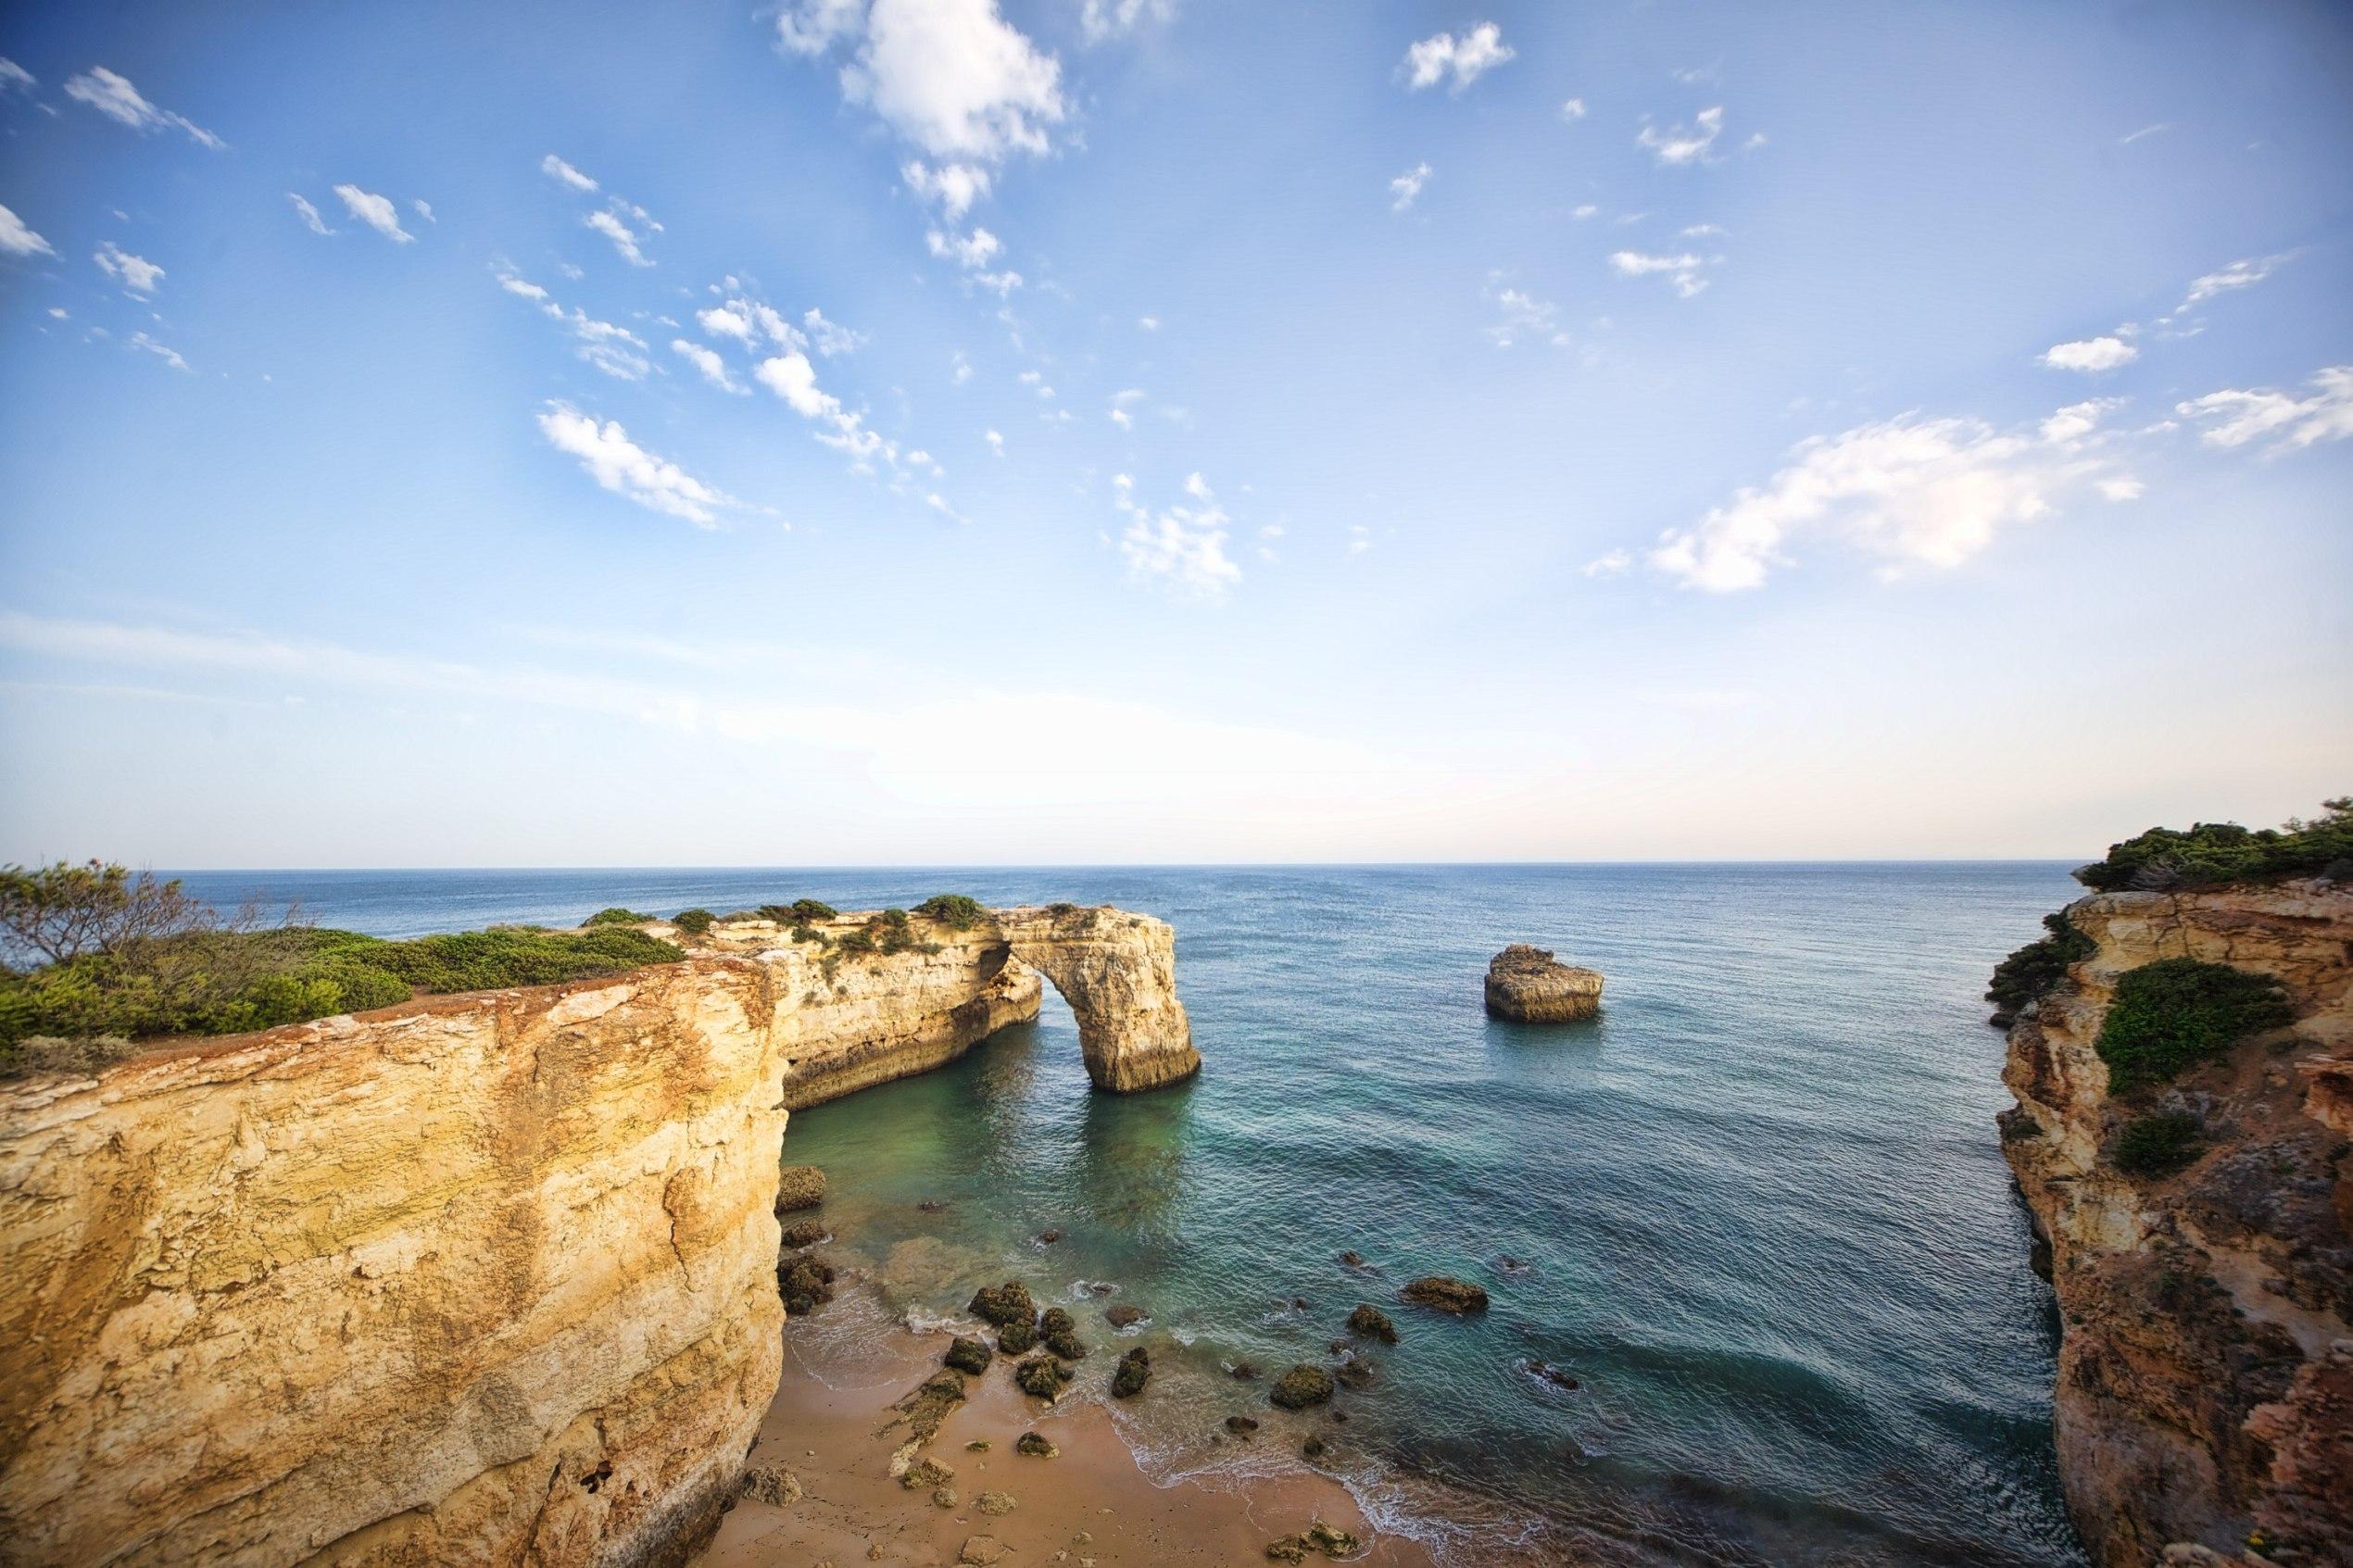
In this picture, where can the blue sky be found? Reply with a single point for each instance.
(1155, 429)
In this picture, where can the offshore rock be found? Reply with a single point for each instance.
(1526, 986)
(1303, 1386)
(2205, 1400)
(1455, 1295)
(800, 1187)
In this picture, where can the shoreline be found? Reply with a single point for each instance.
(1094, 1503)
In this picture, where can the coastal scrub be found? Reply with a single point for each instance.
(2177, 1012)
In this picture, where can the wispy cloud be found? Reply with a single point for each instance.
(111, 95)
(169, 355)
(2144, 131)
(309, 214)
(1681, 269)
(1572, 109)
(15, 239)
(375, 211)
(610, 222)
(1407, 186)
(1182, 544)
(1457, 62)
(1521, 316)
(2091, 355)
(2239, 275)
(619, 465)
(2285, 422)
(133, 272)
(613, 349)
(1103, 19)
(708, 361)
(1683, 144)
(565, 174)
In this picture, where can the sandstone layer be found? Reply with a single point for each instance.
(484, 1279)
(2205, 1399)
(1527, 986)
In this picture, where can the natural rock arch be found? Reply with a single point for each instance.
(1118, 972)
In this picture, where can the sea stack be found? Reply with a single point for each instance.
(1527, 986)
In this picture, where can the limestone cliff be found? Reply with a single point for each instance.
(482, 1279)
(2205, 1400)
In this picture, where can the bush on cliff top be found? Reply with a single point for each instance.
(174, 967)
(694, 923)
(618, 916)
(2156, 1145)
(2031, 974)
(2211, 854)
(2173, 1014)
(953, 911)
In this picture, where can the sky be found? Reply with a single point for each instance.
(969, 432)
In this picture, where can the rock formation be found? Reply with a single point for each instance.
(1526, 986)
(2204, 1398)
(486, 1278)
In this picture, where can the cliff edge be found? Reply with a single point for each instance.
(2199, 1222)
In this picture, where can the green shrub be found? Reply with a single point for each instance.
(953, 911)
(2157, 1146)
(800, 912)
(857, 939)
(618, 916)
(2177, 1012)
(694, 923)
(807, 934)
(1058, 910)
(2210, 854)
(2029, 974)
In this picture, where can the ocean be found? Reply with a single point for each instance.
(1757, 1209)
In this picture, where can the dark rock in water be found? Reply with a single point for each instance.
(1041, 1376)
(805, 1284)
(1299, 1304)
(1241, 1424)
(1340, 1415)
(1313, 1447)
(1354, 1260)
(1049, 1238)
(1125, 1316)
(1134, 1370)
(1017, 1338)
(1002, 1304)
(1512, 1265)
(1557, 1377)
(808, 1232)
(1446, 1295)
(931, 1205)
(1300, 1386)
(1102, 1287)
(1525, 985)
(969, 1355)
(800, 1187)
(1354, 1373)
(1245, 1372)
(1064, 1340)
(1036, 1445)
(1056, 1320)
(1371, 1323)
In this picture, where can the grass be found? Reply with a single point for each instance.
(2175, 1014)
(2214, 854)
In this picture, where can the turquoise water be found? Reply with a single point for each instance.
(1762, 1214)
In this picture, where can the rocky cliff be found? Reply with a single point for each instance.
(485, 1279)
(2205, 1399)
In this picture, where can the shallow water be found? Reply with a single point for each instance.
(1764, 1218)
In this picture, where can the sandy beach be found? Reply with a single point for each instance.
(1090, 1504)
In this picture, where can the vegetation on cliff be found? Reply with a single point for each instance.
(953, 911)
(618, 916)
(694, 923)
(109, 958)
(2157, 1146)
(2177, 1012)
(2032, 972)
(2212, 854)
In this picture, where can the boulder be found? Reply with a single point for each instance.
(773, 1485)
(1445, 1294)
(925, 1473)
(1002, 1304)
(1017, 1338)
(1242, 1425)
(800, 1187)
(1134, 1370)
(1370, 1323)
(1526, 986)
(808, 1232)
(969, 1355)
(1036, 1446)
(1300, 1386)
(805, 1284)
(1041, 1377)
(1125, 1316)
(1061, 1335)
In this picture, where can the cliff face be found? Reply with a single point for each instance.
(2204, 1398)
(484, 1279)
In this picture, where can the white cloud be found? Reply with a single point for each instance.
(1522, 316)
(2237, 275)
(1681, 269)
(15, 239)
(831, 337)
(953, 186)
(1100, 19)
(996, 442)
(2077, 419)
(622, 465)
(1360, 539)
(1572, 108)
(707, 360)
(1441, 56)
(1681, 144)
(310, 218)
(1584, 211)
(971, 251)
(2123, 488)
(112, 95)
(1123, 403)
(2144, 131)
(375, 211)
(1614, 563)
(2286, 421)
(1702, 232)
(1406, 186)
(1149, 323)
(1183, 544)
(424, 210)
(134, 272)
(169, 356)
(1912, 492)
(792, 377)
(960, 370)
(564, 173)
(2091, 355)
(14, 78)
(615, 350)
(608, 221)
(952, 77)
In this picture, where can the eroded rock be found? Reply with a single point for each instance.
(1303, 1386)
(1443, 1293)
(800, 1187)
(1527, 986)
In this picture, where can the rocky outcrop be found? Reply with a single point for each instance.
(1527, 986)
(2204, 1395)
(485, 1279)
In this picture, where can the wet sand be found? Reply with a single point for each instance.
(1090, 1507)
